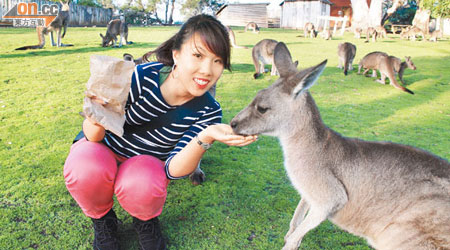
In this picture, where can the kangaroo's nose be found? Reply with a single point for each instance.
(233, 124)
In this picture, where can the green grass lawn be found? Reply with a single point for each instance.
(247, 200)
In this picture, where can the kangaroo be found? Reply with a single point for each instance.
(435, 35)
(233, 39)
(380, 61)
(381, 32)
(115, 27)
(326, 34)
(412, 33)
(263, 52)
(252, 26)
(346, 54)
(357, 32)
(60, 22)
(371, 62)
(399, 66)
(371, 32)
(395, 196)
(309, 30)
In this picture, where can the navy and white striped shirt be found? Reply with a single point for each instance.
(156, 128)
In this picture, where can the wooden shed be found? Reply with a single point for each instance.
(241, 14)
(341, 8)
(295, 13)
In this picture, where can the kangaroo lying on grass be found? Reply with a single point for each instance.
(346, 54)
(388, 67)
(396, 196)
(115, 27)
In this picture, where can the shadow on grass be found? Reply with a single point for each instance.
(75, 50)
(386, 106)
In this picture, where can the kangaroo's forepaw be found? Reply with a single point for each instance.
(197, 178)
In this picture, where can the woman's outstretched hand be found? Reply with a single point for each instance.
(224, 133)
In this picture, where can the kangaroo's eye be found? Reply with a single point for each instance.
(261, 110)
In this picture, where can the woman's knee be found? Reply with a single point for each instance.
(141, 186)
(90, 162)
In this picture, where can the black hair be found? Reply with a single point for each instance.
(211, 31)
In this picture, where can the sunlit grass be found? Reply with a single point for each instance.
(247, 200)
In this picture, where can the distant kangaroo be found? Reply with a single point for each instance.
(60, 22)
(396, 196)
(115, 27)
(371, 32)
(346, 54)
(252, 26)
(233, 39)
(435, 35)
(399, 66)
(263, 52)
(309, 30)
(380, 61)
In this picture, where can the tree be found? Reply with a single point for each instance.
(438, 8)
(194, 7)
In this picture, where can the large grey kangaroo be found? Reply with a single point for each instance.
(396, 196)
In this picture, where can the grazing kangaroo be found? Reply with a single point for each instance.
(346, 54)
(435, 35)
(233, 39)
(326, 34)
(252, 26)
(309, 30)
(395, 196)
(115, 27)
(412, 33)
(381, 32)
(380, 61)
(357, 32)
(263, 52)
(60, 22)
(371, 32)
(399, 66)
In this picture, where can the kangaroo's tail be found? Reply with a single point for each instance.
(396, 85)
(346, 65)
(30, 47)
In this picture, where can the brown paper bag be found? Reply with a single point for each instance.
(110, 81)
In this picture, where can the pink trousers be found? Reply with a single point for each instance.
(93, 174)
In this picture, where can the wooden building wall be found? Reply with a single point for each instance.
(241, 14)
(295, 14)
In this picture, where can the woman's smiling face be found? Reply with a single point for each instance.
(197, 68)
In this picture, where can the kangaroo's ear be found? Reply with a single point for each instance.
(101, 35)
(306, 78)
(283, 60)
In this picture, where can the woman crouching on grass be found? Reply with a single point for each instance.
(171, 120)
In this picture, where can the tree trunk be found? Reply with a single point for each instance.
(360, 11)
(422, 20)
(375, 13)
(171, 13)
(363, 17)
